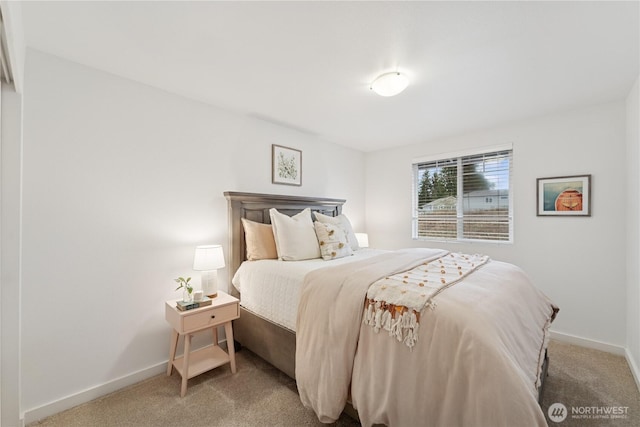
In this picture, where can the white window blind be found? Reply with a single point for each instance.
(464, 197)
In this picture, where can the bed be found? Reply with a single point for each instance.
(393, 382)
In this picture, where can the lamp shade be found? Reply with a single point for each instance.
(363, 240)
(208, 257)
(390, 84)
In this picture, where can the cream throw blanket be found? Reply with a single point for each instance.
(476, 363)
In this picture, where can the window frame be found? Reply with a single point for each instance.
(458, 157)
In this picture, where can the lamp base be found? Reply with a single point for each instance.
(210, 283)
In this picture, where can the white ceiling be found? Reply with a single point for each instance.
(308, 65)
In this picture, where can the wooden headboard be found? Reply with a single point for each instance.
(255, 207)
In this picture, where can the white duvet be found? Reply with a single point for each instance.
(477, 362)
(271, 288)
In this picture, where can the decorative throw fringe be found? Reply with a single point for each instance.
(423, 283)
(400, 322)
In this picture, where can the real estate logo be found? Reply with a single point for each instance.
(557, 412)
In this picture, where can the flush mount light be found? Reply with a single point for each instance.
(390, 84)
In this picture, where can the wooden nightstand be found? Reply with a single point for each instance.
(222, 311)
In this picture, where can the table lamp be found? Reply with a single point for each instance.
(208, 259)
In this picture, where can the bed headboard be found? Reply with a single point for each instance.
(255, 207)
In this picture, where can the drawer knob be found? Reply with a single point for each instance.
(213, 316)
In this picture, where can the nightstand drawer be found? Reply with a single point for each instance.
(210, 317)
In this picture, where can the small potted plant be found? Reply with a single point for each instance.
(187, 293)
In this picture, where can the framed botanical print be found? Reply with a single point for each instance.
(564, 196)
(286, 165)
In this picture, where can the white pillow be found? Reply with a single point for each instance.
(343, 222)
(295, 236)
(333, 243)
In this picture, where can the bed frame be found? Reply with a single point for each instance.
(270, 341)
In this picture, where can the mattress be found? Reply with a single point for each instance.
(271, 288)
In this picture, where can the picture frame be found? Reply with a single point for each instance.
(286, 165)
(564, 196)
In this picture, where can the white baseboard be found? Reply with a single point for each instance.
(92, 393)
(588, 343)
(85, 396)
(603, 346)
(634, 368)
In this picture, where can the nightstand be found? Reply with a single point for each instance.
(222, 311)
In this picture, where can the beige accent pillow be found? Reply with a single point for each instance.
(343, 222)
(259, 240)
(333, 243)
(295, 236)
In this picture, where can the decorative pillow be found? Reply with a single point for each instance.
(333, 243)
(259, 240)
(343, 222)
(295, 236)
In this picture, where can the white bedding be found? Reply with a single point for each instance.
(271, 288)
(477, 362)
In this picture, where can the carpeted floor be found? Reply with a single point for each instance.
(260, 395)
(593, 386)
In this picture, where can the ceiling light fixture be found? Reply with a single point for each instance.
(390, 84)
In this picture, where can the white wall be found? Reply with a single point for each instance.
(633, 229)
(578, 262)
(121, 182)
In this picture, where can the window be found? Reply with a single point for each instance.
(464, 197)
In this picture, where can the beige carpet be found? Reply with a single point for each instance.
(592, 385)
(259, 395)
